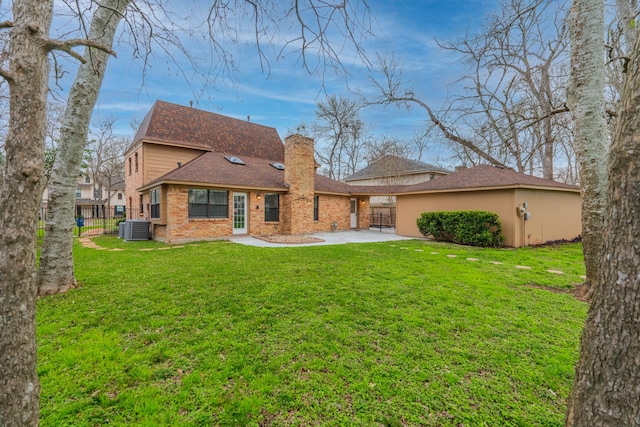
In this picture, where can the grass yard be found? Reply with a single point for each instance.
(376, 334)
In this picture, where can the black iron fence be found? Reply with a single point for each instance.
(92, 220)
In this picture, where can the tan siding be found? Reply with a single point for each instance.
(407, 179)
(160, 159)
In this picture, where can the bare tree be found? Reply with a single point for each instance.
(106, 160)
(393, 89)
(513, 89)
(339, 135)
(605, 390)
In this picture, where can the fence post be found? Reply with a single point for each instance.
(104, 220)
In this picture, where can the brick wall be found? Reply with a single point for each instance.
(257, 225)
(332, 208)
(299, 174)
(364, 211)
(181, 228)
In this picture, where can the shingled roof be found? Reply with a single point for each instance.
(213, 169)
(391, 165)
(174, 124)
(480, 177)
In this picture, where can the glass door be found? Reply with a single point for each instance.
(239, 213)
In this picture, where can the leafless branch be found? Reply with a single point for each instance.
(67, 45)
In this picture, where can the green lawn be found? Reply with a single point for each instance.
(384, 334)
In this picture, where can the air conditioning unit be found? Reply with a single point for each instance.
(121, 230)
(136, 229)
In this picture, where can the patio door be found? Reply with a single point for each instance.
(354, 213)
(239, 213)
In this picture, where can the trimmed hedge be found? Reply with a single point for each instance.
(476, 228)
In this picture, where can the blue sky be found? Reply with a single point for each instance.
(288, 95)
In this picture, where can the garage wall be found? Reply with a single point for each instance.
(555, 215)
(499, 201)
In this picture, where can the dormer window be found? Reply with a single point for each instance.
(278, 165)
(235, 160)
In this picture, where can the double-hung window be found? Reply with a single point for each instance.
(155, 203)
(271, 207)
(208, 203)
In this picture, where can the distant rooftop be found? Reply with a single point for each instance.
(390, 165)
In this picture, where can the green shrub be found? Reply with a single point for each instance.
(477, 228)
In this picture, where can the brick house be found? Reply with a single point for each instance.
(198, 175)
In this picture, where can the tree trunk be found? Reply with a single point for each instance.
(605, 391)
(586, 101)
(626, 10)
(56, 260)
(20, 197)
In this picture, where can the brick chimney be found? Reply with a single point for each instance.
(299, 175)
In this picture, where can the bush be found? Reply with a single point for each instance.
(477, 228)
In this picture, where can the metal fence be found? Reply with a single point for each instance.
(92, 220)
(382, 217)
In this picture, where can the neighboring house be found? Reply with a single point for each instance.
(554, 209)
(394, 170)
(198, 175)
(94, 201)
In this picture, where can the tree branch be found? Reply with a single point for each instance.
(6, 75)
(66, 46)
(6, 24)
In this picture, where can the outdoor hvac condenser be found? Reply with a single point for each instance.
(136, 229)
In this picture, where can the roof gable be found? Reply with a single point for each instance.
(391, 165)
(185, 126)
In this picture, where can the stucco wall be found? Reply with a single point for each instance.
(554, 214)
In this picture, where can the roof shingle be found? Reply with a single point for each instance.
(179, 125)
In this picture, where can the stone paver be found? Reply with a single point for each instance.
(555, 271)
(473, 259)
(452, 256)
(496, 263)
(523, 267)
